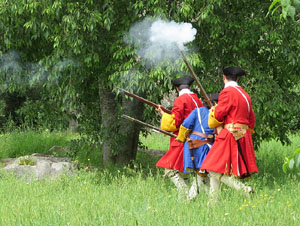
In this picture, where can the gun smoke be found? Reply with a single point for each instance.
(158, 40)
(23, 74)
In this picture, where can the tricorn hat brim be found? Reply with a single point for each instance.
(235, 71)
(185, 80)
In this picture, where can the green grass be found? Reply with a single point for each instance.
(18, 143)
(156, 141)
(140, 195)
(270, 158)
(126, 199)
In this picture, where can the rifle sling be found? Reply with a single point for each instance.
(200, 134)
(197, 143)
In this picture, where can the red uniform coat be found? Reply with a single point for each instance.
(234, 106)
(183, 106)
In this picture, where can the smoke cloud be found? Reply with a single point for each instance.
(10, 62)
(158, 40)
(14, 71)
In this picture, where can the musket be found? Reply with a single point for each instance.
(150, 126)
(207, 100)
(144, 100)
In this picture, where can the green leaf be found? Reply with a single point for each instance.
(107, 24)
(273, 4)
(296, 3)
(297, 151)
(28, 24)
(297, 160)
(292, 12)
(285, 3)
(274, 10)
(284, 12)
(291, 164)
(284, 167)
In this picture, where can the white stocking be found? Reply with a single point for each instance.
(230, 181)
(179, 182)
(203, 184)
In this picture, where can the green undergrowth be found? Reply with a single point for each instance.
(129, 197)
(138, 194)
(26, 142)
(156, 141)
(270, 159)
(18, 143)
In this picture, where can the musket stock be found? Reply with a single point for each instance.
(144, 100)
(150, 126)
(207, 100)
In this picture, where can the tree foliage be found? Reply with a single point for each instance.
(75, 52)
(292, 162)
(289, 8)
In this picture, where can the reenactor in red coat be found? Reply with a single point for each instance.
(232, 155)
(184, 104)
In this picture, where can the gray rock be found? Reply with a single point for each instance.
(38, 166)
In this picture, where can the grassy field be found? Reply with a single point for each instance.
(141, 196)
(156, 141)
(18, 143)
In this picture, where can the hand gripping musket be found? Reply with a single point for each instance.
(144, 100)
(207, 100)
(150, 126)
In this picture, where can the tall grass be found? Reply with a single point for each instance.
(122, 198)
(156, 141)
(26, 142)
(18, 143)
(270, 158)
(140, 195)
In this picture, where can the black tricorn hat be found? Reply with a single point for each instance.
(185, 80)
(233, 71)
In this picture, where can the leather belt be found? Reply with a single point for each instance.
(199, 134)
(237, 130)
(236, 126)
(197, 143)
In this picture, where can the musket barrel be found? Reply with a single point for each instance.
(150, 126)
(144, 100)
(207, 100)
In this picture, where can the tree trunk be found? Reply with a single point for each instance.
(129, 131)
(120, 136)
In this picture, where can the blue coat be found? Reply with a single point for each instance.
(199, 124)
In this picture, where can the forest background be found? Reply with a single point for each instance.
(61, 62)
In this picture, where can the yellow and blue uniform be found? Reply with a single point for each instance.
(197, 121)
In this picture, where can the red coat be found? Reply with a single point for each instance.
(183, 106)
(234, 106)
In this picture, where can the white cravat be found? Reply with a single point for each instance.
(234, 84)
(183, 91)
(231, 83)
